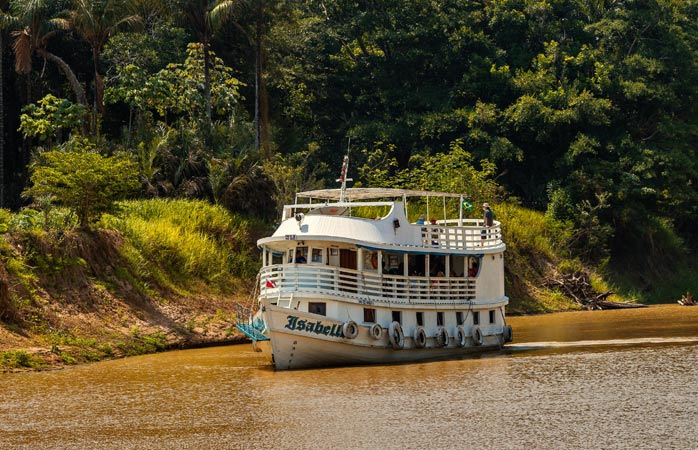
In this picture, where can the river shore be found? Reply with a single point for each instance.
(108, 327)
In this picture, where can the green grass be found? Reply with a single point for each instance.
(185, 240)
(19, 359)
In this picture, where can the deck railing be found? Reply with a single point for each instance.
(471, 235)
(285, 279)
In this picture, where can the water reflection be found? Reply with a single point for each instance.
(574, 380)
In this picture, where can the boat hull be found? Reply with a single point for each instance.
(293, 346)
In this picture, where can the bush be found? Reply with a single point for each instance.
(83, 180)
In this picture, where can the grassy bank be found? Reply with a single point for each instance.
(160, 274)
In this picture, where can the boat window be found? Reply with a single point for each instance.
(397, 316)
(437, 265)
(440, 319)
(317, 255)
(317, 308)
(493, 319)
(459, 318)
(415, 265)
(371, 261)
(393, 264)
(420, 319)
(301, 255)
(476, 317)
(457, 266)
(277, 258)
(474, 267)
(369, 315)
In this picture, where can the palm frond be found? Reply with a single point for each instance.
(58, 23)
(8, 21)
(222, 11)
(23, 50)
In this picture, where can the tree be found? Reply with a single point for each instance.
(206, 16)
(39, 26)
(83, 180)
(50, 117)
(97, 21)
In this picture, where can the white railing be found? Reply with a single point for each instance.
(285, 279)
(471, 235)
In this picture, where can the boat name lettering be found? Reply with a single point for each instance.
(365, 302)
(290, 237)
(317, 327)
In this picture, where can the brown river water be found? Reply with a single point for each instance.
(603, 379)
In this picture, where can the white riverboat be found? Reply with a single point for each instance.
(337, 289)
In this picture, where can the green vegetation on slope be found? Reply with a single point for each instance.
(161, 273)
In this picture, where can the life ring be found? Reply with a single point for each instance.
(396, 336)
(460, 335)
(420, 337)
(477, 335)
(374, 260)
(350, 329)
(508, 333)
(376, 331)
(442, 337)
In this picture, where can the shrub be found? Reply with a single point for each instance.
(83, 180)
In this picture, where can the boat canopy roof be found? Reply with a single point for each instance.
(351, 194)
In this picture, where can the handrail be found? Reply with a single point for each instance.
(366, 287)
(458, 237)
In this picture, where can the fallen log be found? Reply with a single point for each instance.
(602, 304)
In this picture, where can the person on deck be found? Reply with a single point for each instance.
(489, 220)
(472, 272)
(300, 259)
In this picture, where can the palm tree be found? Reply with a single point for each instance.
(97, 21)
(38, 27)
(206, 16)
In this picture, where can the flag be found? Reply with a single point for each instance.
(271, 284)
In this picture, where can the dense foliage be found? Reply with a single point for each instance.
(585, 110)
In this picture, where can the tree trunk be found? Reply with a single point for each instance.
(207, 83)
(2, 125)
(68, 72)
(262, 101)
(99, 83)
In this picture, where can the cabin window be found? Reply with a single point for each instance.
(459, 318)
(415, 265)
(437, 266)
(317, 308)
(440, 319)
(420, 319)
(493, 319)
(393, 264)
(370, 261)
(369, 315)
(397, 316)
(474, 267)
(301, 255)
(457, 266)
(317, 255)
(476, 317)
(276, 258)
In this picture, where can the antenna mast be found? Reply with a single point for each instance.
(343, 174)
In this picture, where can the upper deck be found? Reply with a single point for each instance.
(327, 216)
